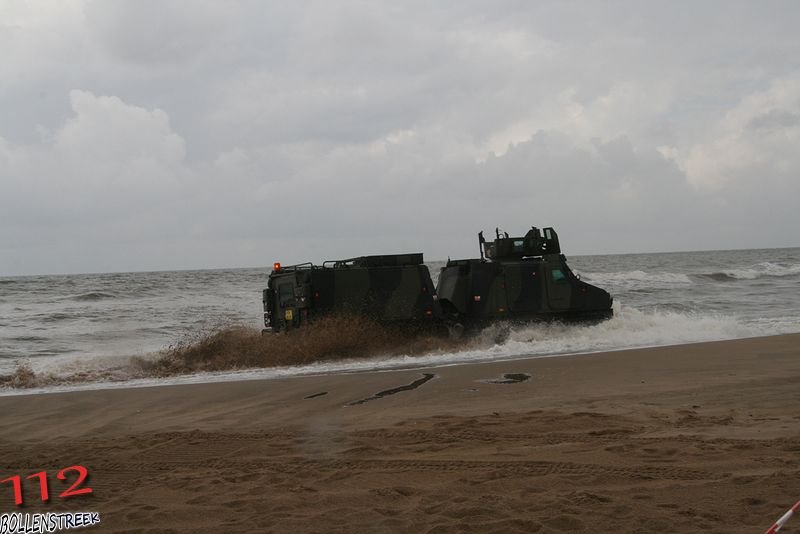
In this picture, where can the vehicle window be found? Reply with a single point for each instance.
(558, 275)
(518, 244)
(286, 294)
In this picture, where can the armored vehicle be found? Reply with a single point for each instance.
(394, 288)
(518, 279)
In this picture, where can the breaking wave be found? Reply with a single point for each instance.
(762, 270)
(654, 280)
(239, 347)
(91, 296)
(638, 279)
(630, 328)
(345, 344)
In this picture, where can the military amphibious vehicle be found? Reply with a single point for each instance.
(515, 279)
(393, 288)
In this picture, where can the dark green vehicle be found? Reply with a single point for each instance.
(518, 279)
(394, 288)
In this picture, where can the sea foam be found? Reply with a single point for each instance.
(632, 279)
(629, 328)
(764, 269)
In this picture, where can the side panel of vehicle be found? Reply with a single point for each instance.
(393, 293)
(524, 287)
(529, 289)
(488, 298)
(474, 289)
(452, 287)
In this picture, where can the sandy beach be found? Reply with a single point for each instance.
(702, 437)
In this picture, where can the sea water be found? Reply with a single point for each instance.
(65, 322)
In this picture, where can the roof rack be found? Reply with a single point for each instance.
(384, 260)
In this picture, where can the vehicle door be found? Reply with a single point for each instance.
(559, 290)
(286, 303)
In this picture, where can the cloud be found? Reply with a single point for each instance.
(110, 162)
(113, 143)
(37, 38)
(157, 32)
(756, 142)
(148, 135)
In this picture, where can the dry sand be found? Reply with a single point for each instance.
(702, 437)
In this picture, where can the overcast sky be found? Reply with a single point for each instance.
(166, 134)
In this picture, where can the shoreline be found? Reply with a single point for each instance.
(703, 436)
(341, 367)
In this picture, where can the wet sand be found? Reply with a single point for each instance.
(702, 437)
